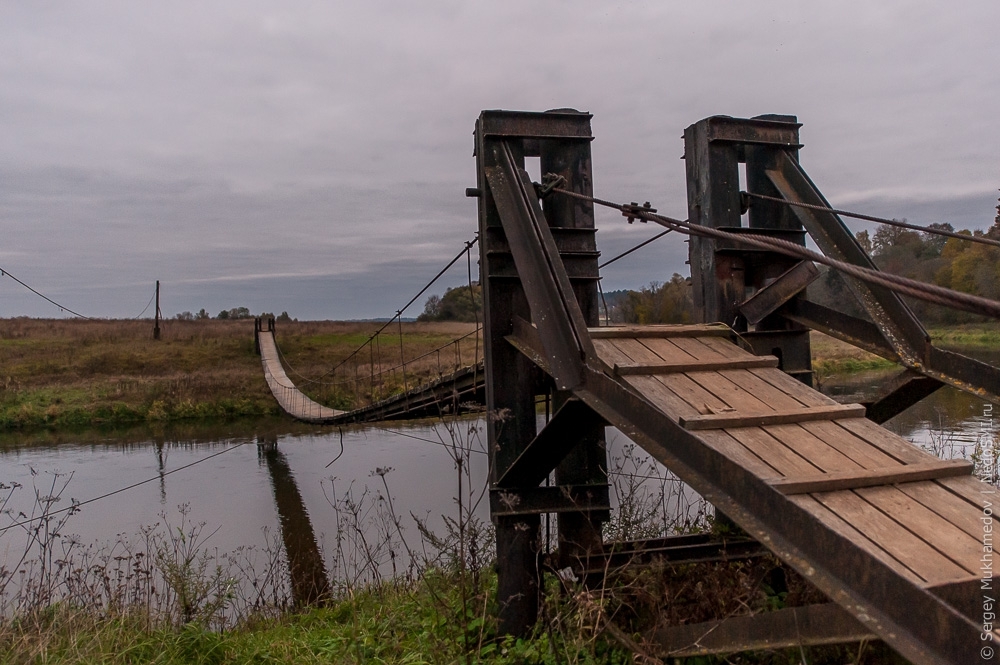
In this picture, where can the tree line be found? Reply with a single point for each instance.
(232, 313)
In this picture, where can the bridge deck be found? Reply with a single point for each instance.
(916, 513)
(290, 398)
(445, 394)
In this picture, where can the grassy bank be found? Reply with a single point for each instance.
(75, 373)
(831, 356)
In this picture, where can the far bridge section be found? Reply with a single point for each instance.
(457, 391)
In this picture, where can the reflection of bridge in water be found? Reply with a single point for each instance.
(306, 569)
(890, 534)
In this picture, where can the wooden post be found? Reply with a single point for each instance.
(156, 324)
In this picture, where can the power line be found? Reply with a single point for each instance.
(4, 272)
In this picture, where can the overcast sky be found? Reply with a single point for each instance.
(313, 156)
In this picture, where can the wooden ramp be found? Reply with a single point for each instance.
(891, 533)
(290, 398)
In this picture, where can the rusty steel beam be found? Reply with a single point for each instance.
(561, 434)
(513, 502)
(899, 326)
(811, 625)
(900, 393)
(789, 284)
(554, 309)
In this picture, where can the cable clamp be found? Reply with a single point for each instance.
(633, 211)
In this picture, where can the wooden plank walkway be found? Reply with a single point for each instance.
(916, 513)
(902, 531)
(290, 398)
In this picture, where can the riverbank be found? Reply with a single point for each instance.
(65, 374)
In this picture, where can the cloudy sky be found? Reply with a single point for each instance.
(312, 156)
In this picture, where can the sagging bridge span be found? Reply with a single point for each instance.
(892, 535)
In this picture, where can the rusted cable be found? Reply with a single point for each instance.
(881, 220)
(932, 293)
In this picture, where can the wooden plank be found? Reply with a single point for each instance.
(951, 507)
(732, 420)
(610, 354)
(788, 627)
(776, 454)
(666, 349)
(972, 490)
(725, 348)
(638, 352)
(836, 524)
(736, 451)
(961, 548)
(897, 540)
(859, 450)
(697, 366)
(763, 390)
(660, 395)
(695, 395)
(612, 332)
(891, 444)
(848, 480)
(730, 393)
(815, 450)
(698, 349)
(793, 387)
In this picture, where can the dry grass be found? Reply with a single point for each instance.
(76, 373)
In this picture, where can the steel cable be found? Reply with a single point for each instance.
(928, 292)
(881, 220)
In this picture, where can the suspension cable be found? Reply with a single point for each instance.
(932, 293)
(881, 220)
(639, 246)
(399, 312)
(6, 273)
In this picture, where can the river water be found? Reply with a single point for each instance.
(271, 479)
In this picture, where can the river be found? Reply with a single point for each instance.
(272, 481)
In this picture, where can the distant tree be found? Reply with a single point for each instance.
(185, 316)
(432, 308)
(224, 314)
(865, 241)
(240, 313)
(933, 243)
(283, 317)
(202, 314)
(457, 304)
(670, 302)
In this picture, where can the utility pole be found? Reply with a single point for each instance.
(156, 324)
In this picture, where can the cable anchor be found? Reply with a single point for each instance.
(549, 182)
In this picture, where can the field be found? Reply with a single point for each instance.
(74, 373)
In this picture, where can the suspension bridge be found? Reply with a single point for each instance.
(893, 536)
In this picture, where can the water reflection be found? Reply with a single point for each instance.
(309, 582)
